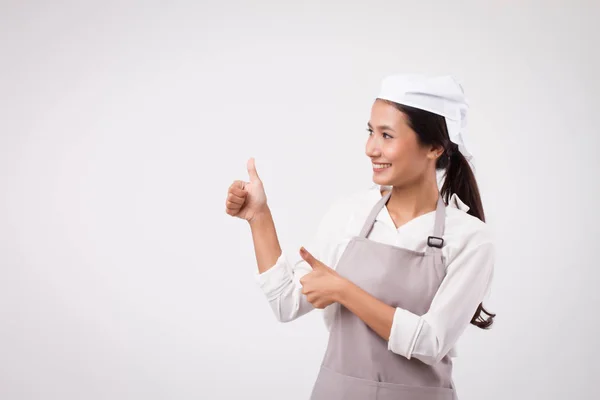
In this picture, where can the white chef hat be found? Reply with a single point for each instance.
(441, 95)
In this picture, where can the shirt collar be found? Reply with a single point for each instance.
(456, 202)
(453, 202)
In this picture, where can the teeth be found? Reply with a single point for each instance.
(381, 165)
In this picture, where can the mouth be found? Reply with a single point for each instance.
(380, 167)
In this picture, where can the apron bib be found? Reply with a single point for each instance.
(357, 363)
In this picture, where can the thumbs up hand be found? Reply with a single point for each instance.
(246, 199)
(323, 285)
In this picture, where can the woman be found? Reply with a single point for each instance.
(401, 269)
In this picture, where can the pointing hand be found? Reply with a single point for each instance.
(323, 285)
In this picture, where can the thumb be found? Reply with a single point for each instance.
(309, 258)
(252, 170)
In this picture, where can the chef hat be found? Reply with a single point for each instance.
(441, 95)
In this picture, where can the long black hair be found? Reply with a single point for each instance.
(431, 129)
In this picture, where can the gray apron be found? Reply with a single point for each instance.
(357, 363)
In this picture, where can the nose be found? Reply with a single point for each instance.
(372, 148)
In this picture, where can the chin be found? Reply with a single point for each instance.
(382, 181)
(388, 179)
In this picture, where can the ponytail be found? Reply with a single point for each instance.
(459, 179)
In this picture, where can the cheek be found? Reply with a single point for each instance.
(397, 153)
(404, 158)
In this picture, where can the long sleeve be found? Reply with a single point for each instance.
(429, 337)
(281, 283)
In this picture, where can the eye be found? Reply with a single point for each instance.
(384, 134)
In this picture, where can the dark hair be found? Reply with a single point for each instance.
(431, 129)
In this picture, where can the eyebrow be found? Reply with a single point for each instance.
(381, 127)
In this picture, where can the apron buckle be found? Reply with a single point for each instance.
(438, 245)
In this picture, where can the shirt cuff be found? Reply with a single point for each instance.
(405, 331)
(275, 279)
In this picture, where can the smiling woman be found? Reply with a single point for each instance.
(400, 269)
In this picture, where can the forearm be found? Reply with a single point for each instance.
(372, 311)
(266, 243)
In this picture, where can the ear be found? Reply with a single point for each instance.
(435, 152)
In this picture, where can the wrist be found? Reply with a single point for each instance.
(260, 215)
(344, 286)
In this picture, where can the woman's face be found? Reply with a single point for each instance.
(393, 143)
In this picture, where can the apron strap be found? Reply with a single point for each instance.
(371, 218)
(436, 241)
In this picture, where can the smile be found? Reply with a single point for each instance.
(381, 166)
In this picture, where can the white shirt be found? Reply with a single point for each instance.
(468, 250)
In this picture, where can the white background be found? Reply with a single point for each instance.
(122, 125)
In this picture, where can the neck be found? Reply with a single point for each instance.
(410, 201)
